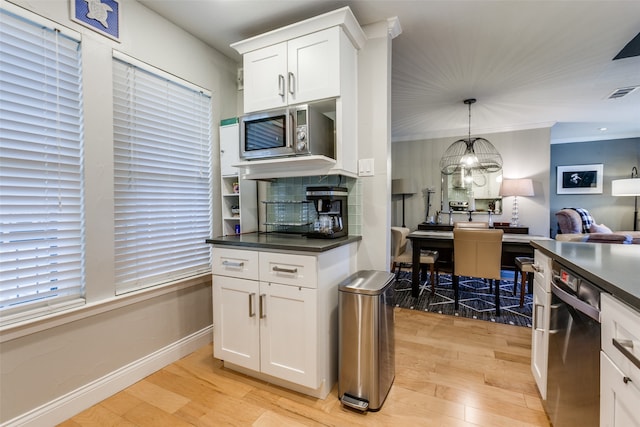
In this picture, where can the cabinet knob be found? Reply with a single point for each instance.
(626, 380)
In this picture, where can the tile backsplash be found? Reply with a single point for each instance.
(291, 190)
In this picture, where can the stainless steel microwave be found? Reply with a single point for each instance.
(295, 131)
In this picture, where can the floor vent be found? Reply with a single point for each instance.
(623, 91)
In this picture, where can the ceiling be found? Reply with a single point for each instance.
(529, 64)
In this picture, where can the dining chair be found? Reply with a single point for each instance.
(402, 255)
(470, 224)
(477, 253)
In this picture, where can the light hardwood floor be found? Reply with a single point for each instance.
(450, 371)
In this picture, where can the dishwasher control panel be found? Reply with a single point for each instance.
(578, 286)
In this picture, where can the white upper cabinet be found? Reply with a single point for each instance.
(297, 71)
(311, 60)
(229, 148)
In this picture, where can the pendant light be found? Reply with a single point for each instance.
(470, 154)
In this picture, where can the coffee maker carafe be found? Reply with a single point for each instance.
(331, 208)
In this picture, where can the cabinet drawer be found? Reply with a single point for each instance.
(298, 270)
(542, 267)
(621, 335)
(235, 263)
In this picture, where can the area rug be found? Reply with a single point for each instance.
(476, 300)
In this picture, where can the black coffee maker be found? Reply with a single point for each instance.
(331, 209)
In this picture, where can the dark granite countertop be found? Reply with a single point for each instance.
(281, 241)
(613, 267)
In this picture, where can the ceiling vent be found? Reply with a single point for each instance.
(623, 91)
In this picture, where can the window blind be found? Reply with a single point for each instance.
(162, 158)
(41, 235)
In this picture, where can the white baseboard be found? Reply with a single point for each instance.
(65, 407)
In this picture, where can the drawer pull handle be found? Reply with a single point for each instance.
(263, 307)
(232, 264)
(626, 380)
(252, 312)
(626, 348)
(538, 314)
(285, 270)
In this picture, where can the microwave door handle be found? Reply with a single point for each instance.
(291, 130)
(281, 85)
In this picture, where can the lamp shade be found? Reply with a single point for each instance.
(625, 187)
(517, 187)
(401, 186)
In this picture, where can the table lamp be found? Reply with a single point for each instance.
(515, 188)
(628, 187)
(401, 187)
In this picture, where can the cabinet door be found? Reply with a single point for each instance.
(265, 78)
(314, 66)
(618, 399)
(229, 149)
(540, 336)
(236, 330)
(288, 333)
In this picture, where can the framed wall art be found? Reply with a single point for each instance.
(580, 179)
(102, 16)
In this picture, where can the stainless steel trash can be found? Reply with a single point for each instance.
(366, 346)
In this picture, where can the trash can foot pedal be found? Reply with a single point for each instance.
(354, 402)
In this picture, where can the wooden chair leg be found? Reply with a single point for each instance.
(515, 280)
(523, 283)
(497, 286)
(433, 285)
(455, 292)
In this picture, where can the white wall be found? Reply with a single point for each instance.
(374, 142)
(526, 154)
(618, 157)
(47, 359)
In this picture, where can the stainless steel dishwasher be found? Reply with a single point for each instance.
(573, 382)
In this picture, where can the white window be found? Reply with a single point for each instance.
(41, 204)
(162, 134)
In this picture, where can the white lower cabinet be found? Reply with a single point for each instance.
(619, 396)
(275, 314)
(237, 337)
(288, 333)
(619, 364)
(541, 319)
(257, 330)
(540, 337)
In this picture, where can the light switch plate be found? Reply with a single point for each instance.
(365, 167)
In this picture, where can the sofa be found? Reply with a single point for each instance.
(577, 225)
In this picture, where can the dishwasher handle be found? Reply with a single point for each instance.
(576, 303)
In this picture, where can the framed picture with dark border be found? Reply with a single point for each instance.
(102, 16)
(580, 179)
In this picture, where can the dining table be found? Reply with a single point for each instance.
(513, 245)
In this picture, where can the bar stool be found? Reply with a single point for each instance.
(524, 265)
